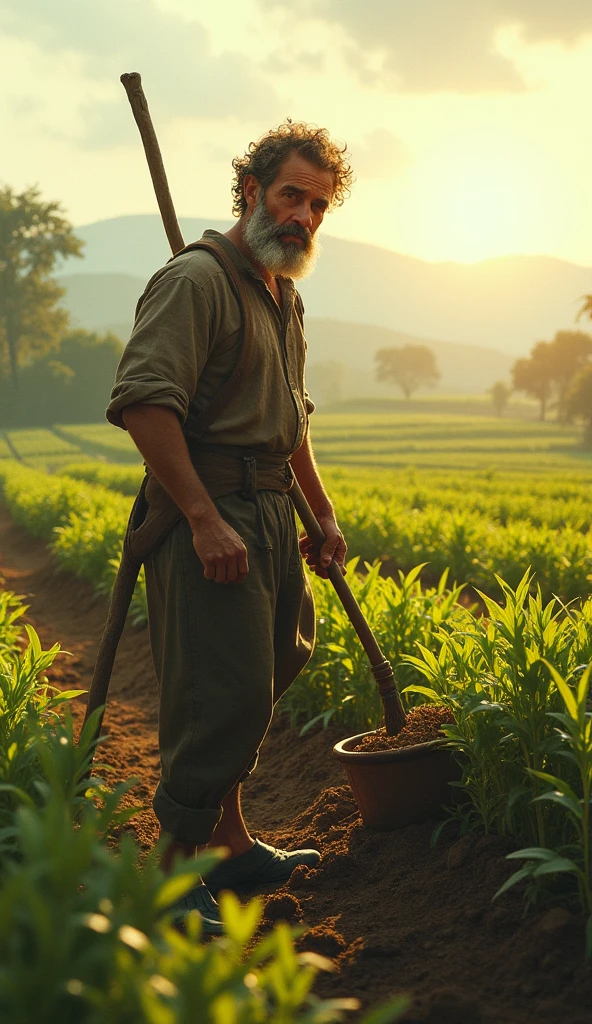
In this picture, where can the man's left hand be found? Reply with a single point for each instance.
(333, 550)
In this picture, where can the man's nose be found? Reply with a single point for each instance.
(303, 216)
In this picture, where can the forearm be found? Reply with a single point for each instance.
(307, 474)
(156, 432)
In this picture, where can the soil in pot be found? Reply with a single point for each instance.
(424, 724)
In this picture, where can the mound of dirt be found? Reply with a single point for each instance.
(423, 724)
(391, 913)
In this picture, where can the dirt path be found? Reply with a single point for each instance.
(393, 914)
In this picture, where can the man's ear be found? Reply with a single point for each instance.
(250, 190)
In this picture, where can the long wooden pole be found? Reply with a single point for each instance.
(132, 83)
(382, 670)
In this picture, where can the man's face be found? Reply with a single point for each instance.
(282, 220)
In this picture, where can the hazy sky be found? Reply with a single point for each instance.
(468, 121)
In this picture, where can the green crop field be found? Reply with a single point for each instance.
(478, 496)
(428, 441)
(504, 505)
(101, 439)
(445, 441)
(40, 444)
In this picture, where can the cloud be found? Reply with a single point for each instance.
(282, 62)
(436, 46)
(182, 77)
(380, 155)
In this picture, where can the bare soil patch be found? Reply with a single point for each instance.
(390, 912)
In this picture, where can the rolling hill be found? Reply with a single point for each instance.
(506, 303)
(340, 355)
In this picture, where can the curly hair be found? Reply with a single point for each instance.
(264, 157)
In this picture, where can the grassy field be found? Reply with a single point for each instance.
(475, 495)
(425, 440)
(456, 442)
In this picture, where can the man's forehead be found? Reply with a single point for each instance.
(297, 171)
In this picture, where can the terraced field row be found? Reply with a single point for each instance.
(430, 442)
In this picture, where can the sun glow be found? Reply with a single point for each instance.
(481, 212)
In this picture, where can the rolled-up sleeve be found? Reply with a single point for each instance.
(167, 350)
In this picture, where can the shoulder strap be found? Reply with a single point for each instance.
(241, 370)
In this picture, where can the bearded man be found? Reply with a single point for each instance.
(231, 618)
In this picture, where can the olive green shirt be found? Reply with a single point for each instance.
(185, 344)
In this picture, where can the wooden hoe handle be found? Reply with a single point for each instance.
(132, 83)
(394, 715)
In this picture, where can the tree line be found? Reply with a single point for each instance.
(49, 372)
(557, 373)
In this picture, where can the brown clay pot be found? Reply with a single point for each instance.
(393, 788)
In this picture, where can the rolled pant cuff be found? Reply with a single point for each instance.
(185, 824)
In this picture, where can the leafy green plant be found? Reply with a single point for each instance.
(26, 703)
(338, 684)
(574, 800)
(83, 524)
(86, 932)
(11, 610)
(498, 676)
(85, 936)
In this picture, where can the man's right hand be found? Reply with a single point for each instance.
(157, 434)
(220, 549)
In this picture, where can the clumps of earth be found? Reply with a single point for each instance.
(424, 724)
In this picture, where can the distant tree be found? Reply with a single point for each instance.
(570, 351)
(500, 396)
(69, 385)
(534, 375)
(551, 369)
(33, 234)
(411, 367)
(579, 402)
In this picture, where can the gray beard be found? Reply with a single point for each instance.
(282, 259)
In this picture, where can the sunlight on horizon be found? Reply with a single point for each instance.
(444, 173)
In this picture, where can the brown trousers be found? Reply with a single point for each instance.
(223, 654)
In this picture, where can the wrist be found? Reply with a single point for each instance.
(200, 514)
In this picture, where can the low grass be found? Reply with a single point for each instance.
(441, 441)
(101, 439)
(423, 438)
(40, 443)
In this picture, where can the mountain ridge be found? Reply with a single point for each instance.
(340, 354)
(506, 303)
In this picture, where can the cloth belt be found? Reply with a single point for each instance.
(223, 470)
